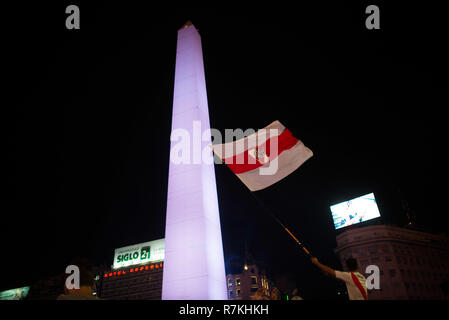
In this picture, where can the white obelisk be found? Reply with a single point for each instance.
(194, 264)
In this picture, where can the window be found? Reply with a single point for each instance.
(392, 273)
(238, 293)
(231, 294)
(254, 289)
(230, 282)
(253, 280)
(266, 284)
(372, 249)
(237, 281)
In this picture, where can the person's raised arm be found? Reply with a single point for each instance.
(328, 271)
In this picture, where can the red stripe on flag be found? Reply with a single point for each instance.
(240, 163)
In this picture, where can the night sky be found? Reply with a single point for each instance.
(87, 116)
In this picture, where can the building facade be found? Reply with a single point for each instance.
(413, 265)
(243, 286)
(141, 282)
(136, 273)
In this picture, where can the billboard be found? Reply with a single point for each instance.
(141, 253)
(354, 211)
(14, 294)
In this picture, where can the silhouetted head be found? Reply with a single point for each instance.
(351, 264)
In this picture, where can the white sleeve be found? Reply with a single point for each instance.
(345, 276)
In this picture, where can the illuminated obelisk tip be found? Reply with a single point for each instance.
(194, 264)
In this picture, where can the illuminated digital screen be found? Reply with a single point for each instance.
(355, 211)
(14, 294)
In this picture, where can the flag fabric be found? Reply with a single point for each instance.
(264, 157)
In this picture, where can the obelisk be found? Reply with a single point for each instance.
(194, 264)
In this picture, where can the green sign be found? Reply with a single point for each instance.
(140, 253)
(144, 255)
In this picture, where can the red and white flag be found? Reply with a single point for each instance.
(264, 157)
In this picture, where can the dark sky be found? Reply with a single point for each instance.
(87, 116)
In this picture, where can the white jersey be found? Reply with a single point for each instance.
(354, 292)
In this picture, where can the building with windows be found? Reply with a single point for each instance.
(136, 273)
(243, 286)
(143, 282)
(413, 264)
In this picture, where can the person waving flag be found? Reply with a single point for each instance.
(354, 280)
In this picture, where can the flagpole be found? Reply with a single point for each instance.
(281, 224)
(276, 219)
